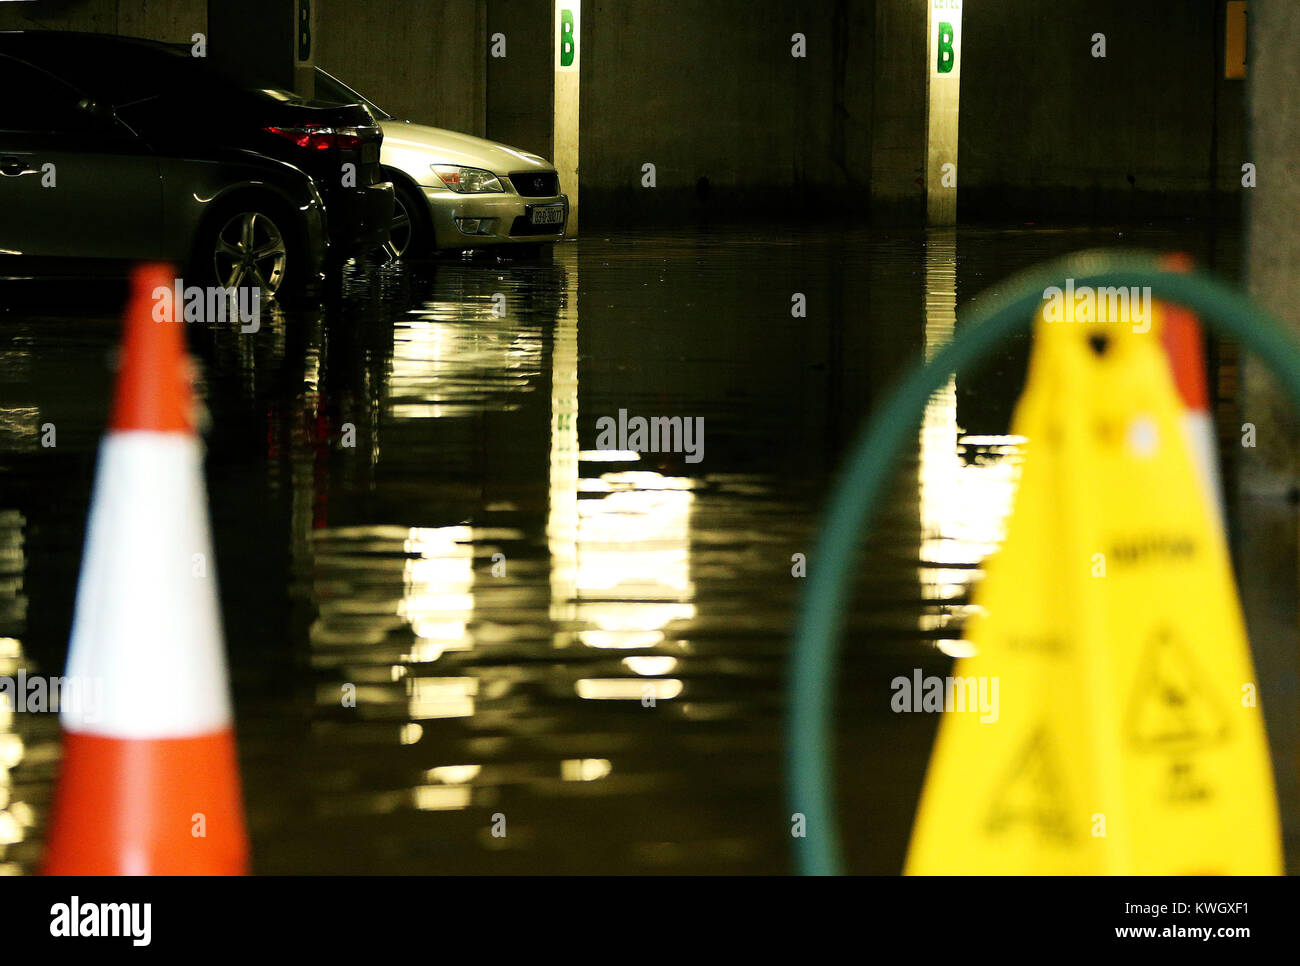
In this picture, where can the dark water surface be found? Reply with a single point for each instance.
(590, 647)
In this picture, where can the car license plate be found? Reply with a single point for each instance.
(369, 153)
(553, 215)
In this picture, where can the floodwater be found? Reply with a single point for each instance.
(450, 615)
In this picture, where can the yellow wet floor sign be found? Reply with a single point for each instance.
(1128, 736)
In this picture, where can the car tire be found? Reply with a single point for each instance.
(262, 231)
(412, 233)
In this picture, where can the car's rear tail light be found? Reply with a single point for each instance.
(318, 137)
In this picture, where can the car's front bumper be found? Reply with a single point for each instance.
(463, 221)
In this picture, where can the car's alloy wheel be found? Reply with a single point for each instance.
(399, 235)
(250, 251)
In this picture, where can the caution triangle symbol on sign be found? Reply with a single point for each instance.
(1032, 792)
(1172, 708)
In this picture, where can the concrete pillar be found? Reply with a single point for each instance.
(266, 43)
(1267, 542)
(568, 62)
(943, 93)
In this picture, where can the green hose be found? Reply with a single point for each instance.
(870, 467)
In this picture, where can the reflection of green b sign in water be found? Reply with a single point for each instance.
(946, 57)
(566, 38)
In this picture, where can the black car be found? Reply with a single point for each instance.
(157, 154)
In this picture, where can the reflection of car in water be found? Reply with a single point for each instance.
(458, 192)
(156, 154)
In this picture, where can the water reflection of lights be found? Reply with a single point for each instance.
(448, 787)
(437, 597)
(453, 357)
(963, 502)
(19, 428)
(584, 769)
(357, 607)
(652, 665)
(562, 509)
(437, 798)
(453, 774)
(629, 689)
(438, 602)
(619, 543)
(633, 550)
(15, 816)
(446, 364)
(441, 697)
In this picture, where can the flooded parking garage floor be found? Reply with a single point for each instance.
(451, 615)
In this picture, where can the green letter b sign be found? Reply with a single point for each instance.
(945, 62)
(566, 38)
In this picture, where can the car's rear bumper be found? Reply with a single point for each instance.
(359, 218)
(500, 218)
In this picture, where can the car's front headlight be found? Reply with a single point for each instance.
(466, 180)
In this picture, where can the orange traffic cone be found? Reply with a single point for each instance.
(1185, 348)
(149, 783)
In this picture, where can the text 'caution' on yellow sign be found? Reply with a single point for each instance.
(1130, 738)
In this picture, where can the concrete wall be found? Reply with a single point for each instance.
(171, 20)
(520, 85)
(263, 58)
(898, 108)
(420, 60)
(1048, 129)
(710, 94)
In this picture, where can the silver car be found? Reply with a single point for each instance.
(456, 192)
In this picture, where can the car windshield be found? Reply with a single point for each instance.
(331, 90)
